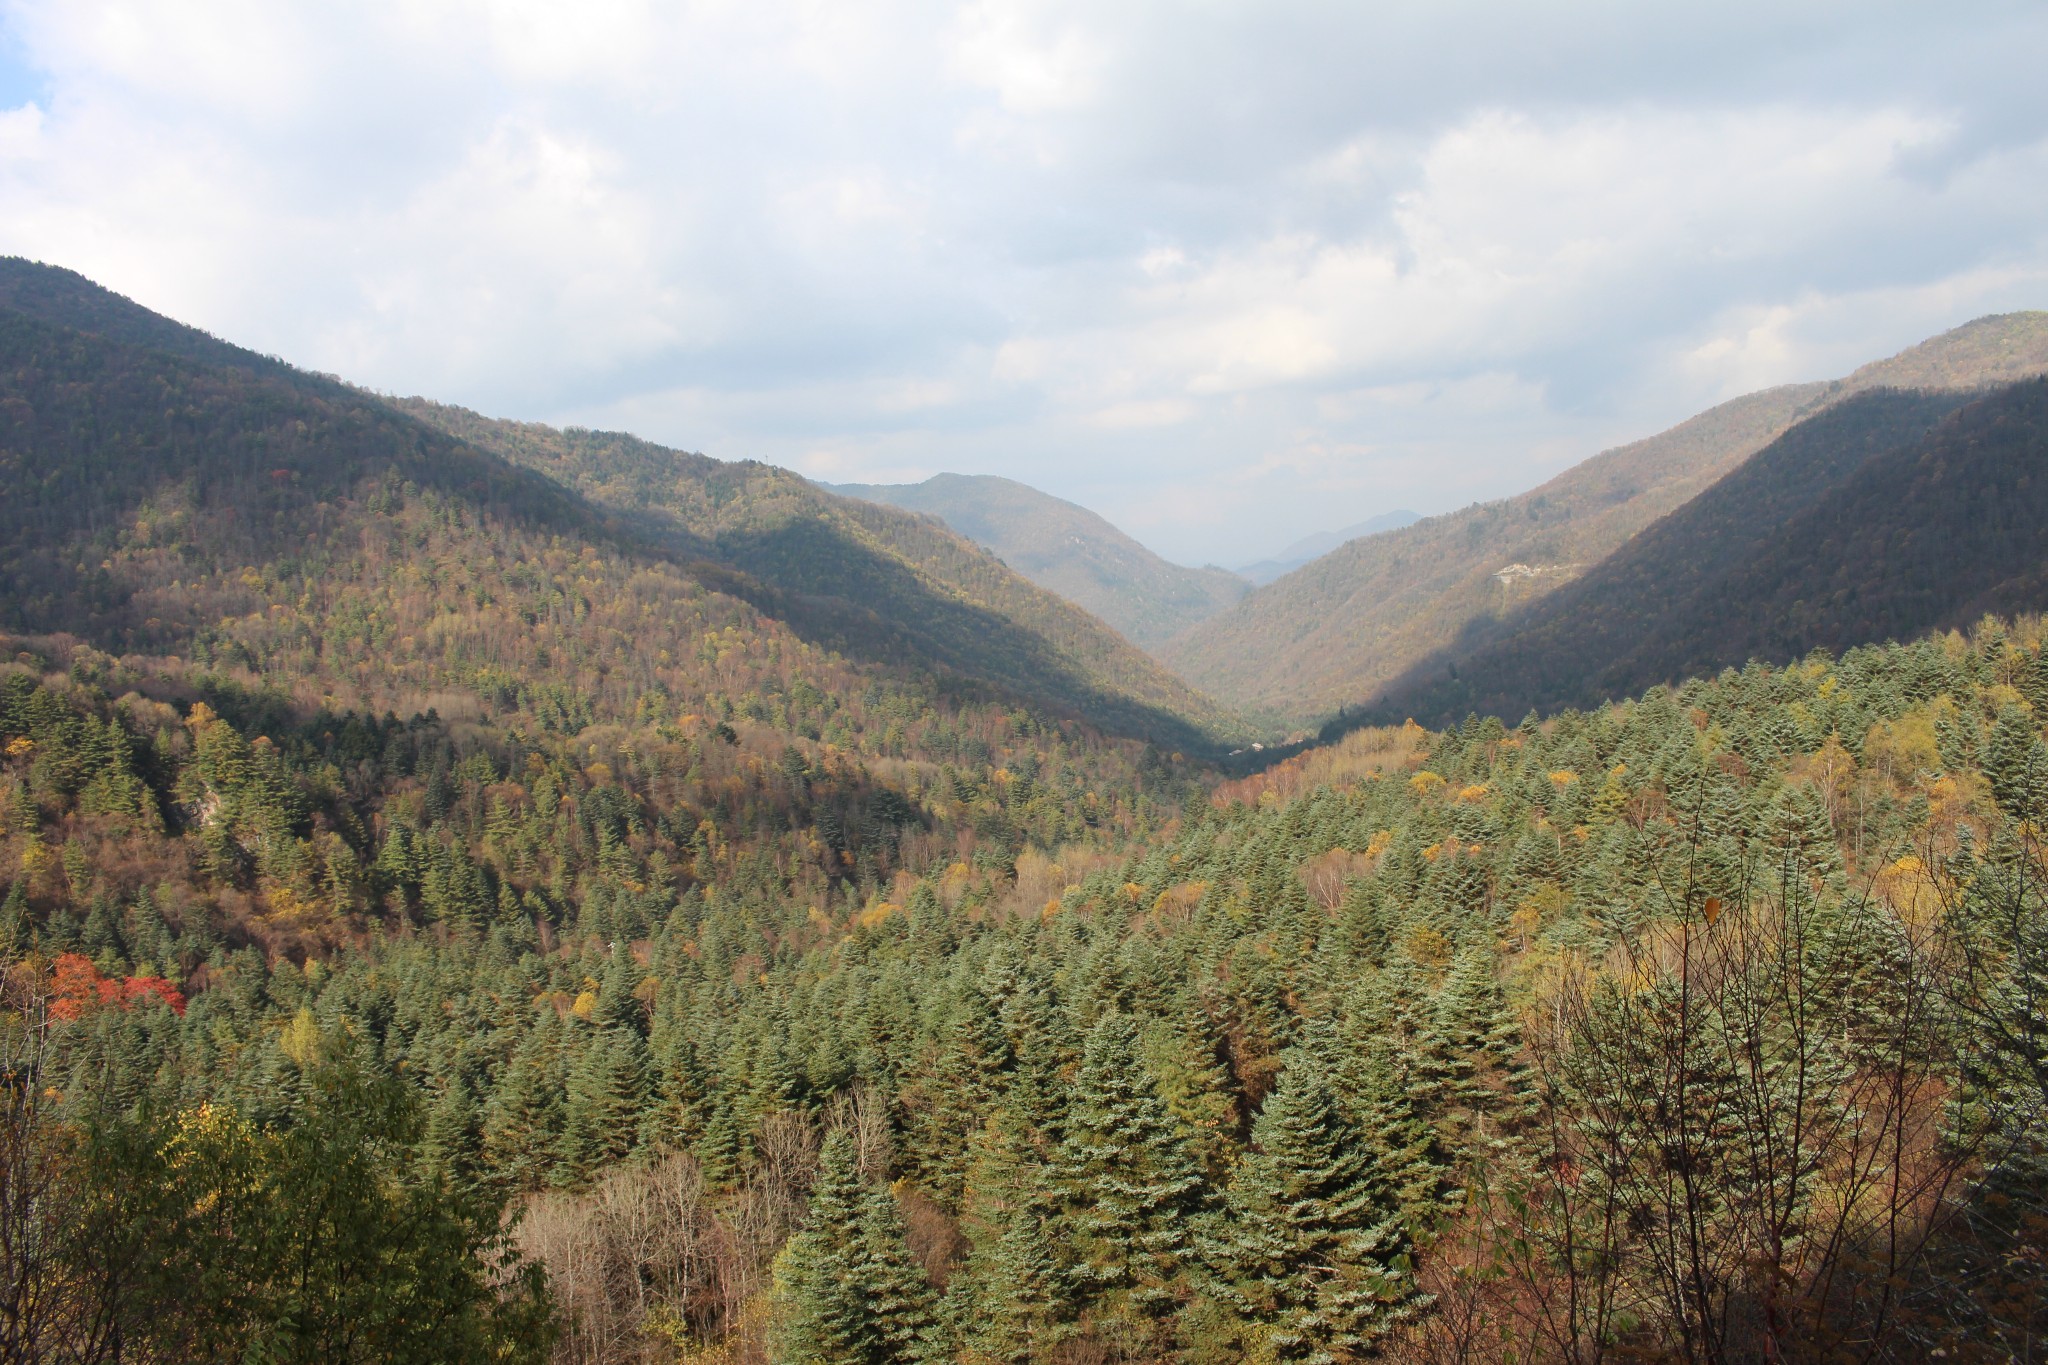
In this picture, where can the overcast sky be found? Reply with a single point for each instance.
(1226, 273)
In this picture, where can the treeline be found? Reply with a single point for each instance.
(1702, 1027)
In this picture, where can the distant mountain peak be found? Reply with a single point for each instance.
(1067, 549)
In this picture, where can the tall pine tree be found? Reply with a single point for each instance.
(1132, 1190)
(1311, 1256)
(846, 1289)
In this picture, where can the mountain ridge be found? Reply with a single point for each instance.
(1302, 551)
(1340, 630)
(1887, 516)
(1069, 550)
(287, 446)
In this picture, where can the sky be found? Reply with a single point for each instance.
(1227, 273)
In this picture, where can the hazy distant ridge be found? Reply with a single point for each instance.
(1320, 544)
(1069, 550)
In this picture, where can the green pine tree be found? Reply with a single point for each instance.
(607, 1097)
(2016, 762)
(1311, 1257)
(823, 1312)
(450, 1143)
(846, 1289)
(1132, 1189)
(1482, 1080)
(522, 1124)
(1018, 1298)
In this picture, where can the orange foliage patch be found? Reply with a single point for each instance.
(77, 989)
(1177, 902)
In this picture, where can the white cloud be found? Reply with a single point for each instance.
(1035, 59)
(1158, 412)
(21, 133)
(1228, 272)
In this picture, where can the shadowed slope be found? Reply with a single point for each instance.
(1732, 573)
(1343, 629)
(154, 493)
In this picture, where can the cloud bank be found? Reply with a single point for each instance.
(1228, 273)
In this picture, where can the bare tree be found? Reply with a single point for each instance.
(1750, 1142)
(649, 1261)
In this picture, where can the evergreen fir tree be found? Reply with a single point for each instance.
(1018, 1299)
(2016, 762)
(450, 1144)
(607, 1095)
(846, 1289)
(726, 1148)
(522, 1123)
(823, 1312)
(1374, 1080)
(956, 1091)
(901, 1299)
(617, 1005)
(680, 1083)
(1131, 1189)
(17, 927)
(1040, 1044)
(1312, 1260)
(1481, 1076)
(1956, 736)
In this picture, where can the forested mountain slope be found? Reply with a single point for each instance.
(250, 452)
(1342, 629)
(873, 581)
(1884, 517)
(1069, 550)
(288, 673)
(452, 916)
(1264, 1083)
(68, 299)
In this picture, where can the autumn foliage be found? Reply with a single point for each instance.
(77, 989)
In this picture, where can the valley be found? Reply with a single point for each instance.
(483, 891)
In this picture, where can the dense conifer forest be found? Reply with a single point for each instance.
(1702, 1026)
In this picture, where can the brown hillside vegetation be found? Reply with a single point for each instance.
(142, 459)
(1884, 517)
(842, 565)
(1338, 631)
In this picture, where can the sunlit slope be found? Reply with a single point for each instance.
(1339, 631)
(177, 495)
(1889, 515)
(875, 580)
